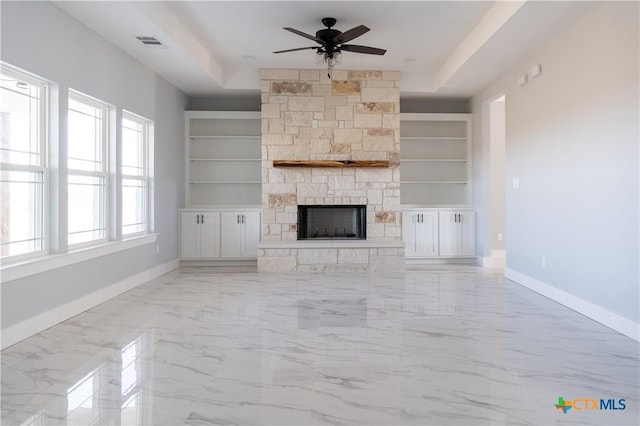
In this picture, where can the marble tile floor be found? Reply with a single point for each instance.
(430, 346)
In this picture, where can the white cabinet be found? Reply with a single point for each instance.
(223, 158)
(457, 233)
(200, 235)
(435, 159)
(420, 233)
(240, 234)
(219, 234)
(438, 233)
(223, 178)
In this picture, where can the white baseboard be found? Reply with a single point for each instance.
(597, 313)
(208, 262)
(441, 261)
(27, 328)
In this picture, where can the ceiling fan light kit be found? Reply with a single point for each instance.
(332, 43)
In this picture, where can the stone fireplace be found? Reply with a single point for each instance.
(352, 117)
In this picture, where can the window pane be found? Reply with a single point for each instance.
(133, 148)
(134, 206)
(135, 192)
(86, 208)
(22, 200)
(86, 137)
(20, 118)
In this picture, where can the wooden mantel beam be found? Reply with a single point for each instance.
(331, 163)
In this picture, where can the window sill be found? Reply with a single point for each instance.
(15, 271)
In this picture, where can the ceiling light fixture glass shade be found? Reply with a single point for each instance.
(329, 59)
(335, 59)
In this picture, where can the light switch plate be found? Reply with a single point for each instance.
(516, 183)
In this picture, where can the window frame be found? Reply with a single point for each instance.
(43, 167)
(105, 173)
(146, 178)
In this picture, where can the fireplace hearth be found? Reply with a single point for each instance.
(332, 222)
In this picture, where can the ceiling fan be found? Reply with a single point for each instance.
(332, 42)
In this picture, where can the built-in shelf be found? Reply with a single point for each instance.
(435, 159)
(201, 182)
(432, 138)
(331, 163)
(250, 137)
(429, 182)
(432, 160)
(224, 154)
(225, 159)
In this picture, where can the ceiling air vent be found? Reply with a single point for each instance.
(149, 41)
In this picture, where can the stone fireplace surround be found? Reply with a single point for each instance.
(352, 116)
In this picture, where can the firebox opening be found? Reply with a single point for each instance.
(332, 222)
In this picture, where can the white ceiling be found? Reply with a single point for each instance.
(443, 48)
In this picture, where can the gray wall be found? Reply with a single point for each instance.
(40, 38)
(497, 187)
(572, 140)
(433, 105)
(239, 102)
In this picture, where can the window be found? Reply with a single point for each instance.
(136, 146)
(81, 193)
(87, 170)
(23, 191)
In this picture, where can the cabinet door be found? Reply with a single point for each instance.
(231, 234)
(457, 233)
(410, 233)
(427, 234)
(209, 235)
(189, 235)
(420, 233)
(251, 234)
(467, 233)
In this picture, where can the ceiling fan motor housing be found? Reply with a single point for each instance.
(327, 34)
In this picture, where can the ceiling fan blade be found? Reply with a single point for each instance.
(350, 34)
(299, 48)
(305, 35)
(362, 49)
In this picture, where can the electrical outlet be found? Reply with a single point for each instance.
(516, 183)
(315, 124)
(544, 261)
(341, 124)
(499, 237)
